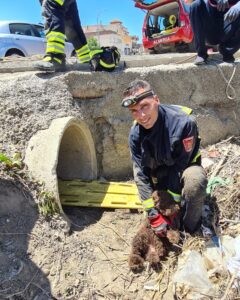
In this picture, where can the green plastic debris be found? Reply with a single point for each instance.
(216, 181)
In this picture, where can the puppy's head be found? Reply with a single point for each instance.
(165, 203)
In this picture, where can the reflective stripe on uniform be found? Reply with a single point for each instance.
(56, 34)
(49, 58)
(56, 39)
(83, 54)
(55, 48)
(108, 66)
(60, 2)
(83, 50)
(148, 204)
(196, 157)
(94, 52)
(55, 42)
(186, 109)
(84, 58)
(176, 197)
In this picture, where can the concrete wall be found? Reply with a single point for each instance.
(30, 101)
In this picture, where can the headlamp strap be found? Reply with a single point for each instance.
(143, 95)
(134, 99)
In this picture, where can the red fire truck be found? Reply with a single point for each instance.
(166, 26)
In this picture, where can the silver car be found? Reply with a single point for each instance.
(25, 39)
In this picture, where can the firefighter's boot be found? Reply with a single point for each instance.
(51, 63)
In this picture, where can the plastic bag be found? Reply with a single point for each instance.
(193, 274)
(233, 264)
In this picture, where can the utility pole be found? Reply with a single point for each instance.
(98, 29)
(98, 25)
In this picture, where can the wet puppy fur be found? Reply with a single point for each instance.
(146, 245)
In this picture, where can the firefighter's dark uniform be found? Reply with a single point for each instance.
(167, 157)
(209, 26)
(61, 21)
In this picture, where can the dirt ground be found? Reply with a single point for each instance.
(40, 261)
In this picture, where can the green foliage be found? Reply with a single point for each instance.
(5, 159)
(15, 161)
(93, 43)
(14, 167)
(47, 204)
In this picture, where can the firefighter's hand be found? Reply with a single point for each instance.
(156, 199)
(157, 222)
(173, 236)
(222, 5)
(233, 13)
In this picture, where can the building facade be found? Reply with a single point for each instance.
(112, 34)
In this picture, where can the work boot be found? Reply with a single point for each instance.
(228, 58)
(200, 61)
(51, 63)
(207, 221)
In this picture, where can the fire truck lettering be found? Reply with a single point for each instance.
(162, 40)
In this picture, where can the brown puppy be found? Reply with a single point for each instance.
(166, 205)
(146, 245)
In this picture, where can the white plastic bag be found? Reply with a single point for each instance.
(233, 264)
(193, 274)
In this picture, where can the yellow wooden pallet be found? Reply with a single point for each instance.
(98, 194)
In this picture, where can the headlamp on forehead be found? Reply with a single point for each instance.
(131, 100)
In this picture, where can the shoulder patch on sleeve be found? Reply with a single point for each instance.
(188, 143)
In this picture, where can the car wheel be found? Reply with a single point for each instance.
(164, 49)
(151, 51)
(14, 52)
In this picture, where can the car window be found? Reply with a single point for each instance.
(40, 30)
(151, 20)
(22, 29)
(146, 2)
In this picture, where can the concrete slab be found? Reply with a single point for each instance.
(31, 101)
(24, 64)
(165, 59)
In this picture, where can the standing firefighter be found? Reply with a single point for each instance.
(61, 21)
(164, 145)
(218, 23)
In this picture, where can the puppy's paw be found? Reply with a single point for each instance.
(173, 236)
(136, 263)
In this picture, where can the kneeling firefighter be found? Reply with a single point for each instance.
(61, 21)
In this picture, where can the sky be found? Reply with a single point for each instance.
(91, 12)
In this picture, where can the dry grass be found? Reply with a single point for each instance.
(225, 201)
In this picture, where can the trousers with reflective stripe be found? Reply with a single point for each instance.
(83, 54)
(62, 17)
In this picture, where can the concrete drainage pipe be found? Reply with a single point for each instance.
(65, 150)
